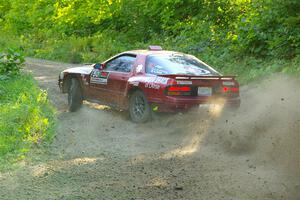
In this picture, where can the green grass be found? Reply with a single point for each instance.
(26, 118)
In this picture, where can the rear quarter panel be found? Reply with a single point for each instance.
(152, 86)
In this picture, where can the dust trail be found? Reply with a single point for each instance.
(263, 136)
(267, 124)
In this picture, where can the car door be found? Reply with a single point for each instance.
(108, 85)
(98, 89)
(120, 70)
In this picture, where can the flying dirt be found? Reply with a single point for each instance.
(207, 153)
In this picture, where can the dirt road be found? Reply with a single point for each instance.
(99, 153)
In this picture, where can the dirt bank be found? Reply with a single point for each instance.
(253, 153)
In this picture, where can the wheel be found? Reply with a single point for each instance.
(139, 108)
(74, 95)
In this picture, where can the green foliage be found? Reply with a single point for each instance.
(26, 118)
(5, 6)
(241, 27)
(217, 31)
(10, 63)
(271, 29)
(251, 69)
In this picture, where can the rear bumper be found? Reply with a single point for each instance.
(174, 104)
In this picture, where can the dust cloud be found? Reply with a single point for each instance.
(267, 125)
(262, 136)
(259, 141)
(266, 128)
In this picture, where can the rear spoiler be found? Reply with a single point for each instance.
(189, 77)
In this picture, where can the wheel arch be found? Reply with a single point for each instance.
(67, 82)
(132, 90)
(129, 94)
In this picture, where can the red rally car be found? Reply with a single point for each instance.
(146, 81)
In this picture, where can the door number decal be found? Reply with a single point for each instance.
(99, 77)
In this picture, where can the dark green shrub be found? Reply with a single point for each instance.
(10, 63)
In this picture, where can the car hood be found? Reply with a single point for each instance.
(80, 70)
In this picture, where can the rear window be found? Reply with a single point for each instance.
(177, 64)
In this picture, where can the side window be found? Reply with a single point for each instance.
(121, 64)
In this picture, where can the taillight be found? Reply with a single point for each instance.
(230, 89)
(179, 91)
(234, 89)
(184, 89)
(225, 89)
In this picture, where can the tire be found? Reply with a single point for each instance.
(139, 108)
(74, 95)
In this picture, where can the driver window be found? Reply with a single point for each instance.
(121, 64)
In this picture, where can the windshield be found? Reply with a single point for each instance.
(177, 64)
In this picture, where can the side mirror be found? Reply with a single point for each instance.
(99, 66)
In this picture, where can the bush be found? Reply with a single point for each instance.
(10, 63)
(26, 117)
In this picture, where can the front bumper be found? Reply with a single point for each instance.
(60, 84)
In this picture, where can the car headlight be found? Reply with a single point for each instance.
(61, 75)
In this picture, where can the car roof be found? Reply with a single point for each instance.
(151, 52)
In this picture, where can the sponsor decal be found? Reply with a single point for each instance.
(154, 82)
(152, 86)
(99, 77)
(161, 80)
(139, 68)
